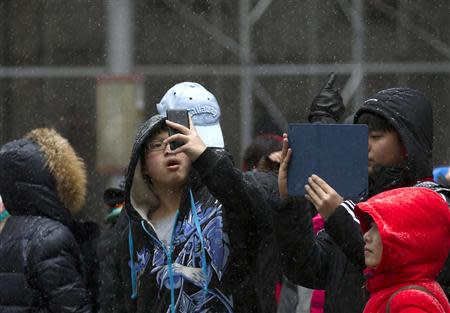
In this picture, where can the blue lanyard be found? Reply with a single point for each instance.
(202, 243)
(3, 215)
(133, 271)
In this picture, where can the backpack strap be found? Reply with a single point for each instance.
(414, 287)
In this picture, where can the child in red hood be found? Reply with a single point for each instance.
(407, 240)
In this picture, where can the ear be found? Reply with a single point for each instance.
(400, 142)
(404, 151)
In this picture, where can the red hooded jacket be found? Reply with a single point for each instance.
(414, 226)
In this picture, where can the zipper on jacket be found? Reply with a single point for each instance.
(169, 258)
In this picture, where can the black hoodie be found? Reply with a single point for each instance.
(41, 179)
(410, 113)
(144, 273)
(334, 261)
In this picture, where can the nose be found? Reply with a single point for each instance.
(167, 149)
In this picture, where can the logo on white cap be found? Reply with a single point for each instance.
(202, 107)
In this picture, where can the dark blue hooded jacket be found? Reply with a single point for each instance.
(41, 179)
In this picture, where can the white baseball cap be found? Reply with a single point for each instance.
(202, 107)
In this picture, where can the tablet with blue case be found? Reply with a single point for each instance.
(335, 152)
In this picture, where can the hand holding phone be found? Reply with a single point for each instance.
(191, 143)
(180, 117)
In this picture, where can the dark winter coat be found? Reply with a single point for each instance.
(268, 267)
(41, 179)
(228, 210)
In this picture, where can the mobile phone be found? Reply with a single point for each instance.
(179, 117)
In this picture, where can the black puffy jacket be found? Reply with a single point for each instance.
(41, 178)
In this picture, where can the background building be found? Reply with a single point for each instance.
(63, 61)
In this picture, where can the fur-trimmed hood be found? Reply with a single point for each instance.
(42, 175)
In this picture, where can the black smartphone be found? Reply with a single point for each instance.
(179, 117)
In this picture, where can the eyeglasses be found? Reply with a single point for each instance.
(156, 146)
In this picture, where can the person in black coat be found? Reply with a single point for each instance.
(326, 108)
(260, 166)
(400, 145)
(42, 182)
(404, 114)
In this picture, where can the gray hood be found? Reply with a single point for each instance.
(139, 196)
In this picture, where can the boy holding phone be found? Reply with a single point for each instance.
(192, 227)
(205, 112)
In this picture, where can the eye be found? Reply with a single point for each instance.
(155, 145)
(375, 136)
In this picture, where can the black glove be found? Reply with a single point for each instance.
(327, 106)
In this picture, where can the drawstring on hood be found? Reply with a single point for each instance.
(132, 269)
(3, 215)
(200, 235)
